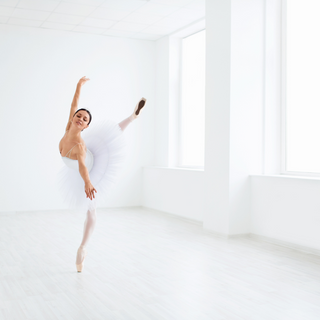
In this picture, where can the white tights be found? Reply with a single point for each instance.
(124, 123)
(90, 222)
(91, 218)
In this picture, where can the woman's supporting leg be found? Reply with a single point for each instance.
(89, 225)
(124, 123)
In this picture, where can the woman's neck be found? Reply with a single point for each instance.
(74, 133)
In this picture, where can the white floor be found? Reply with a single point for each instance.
(143, 264)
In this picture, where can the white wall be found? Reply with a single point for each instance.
(243, 124)
(247, 100)
(234, 106)
(286, 209)
(161, 120)
(176, 191)
(39, 72)
(217, 113)
(165, 187)
(272, 94)
(234, 110)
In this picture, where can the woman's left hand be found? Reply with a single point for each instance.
(89, 189)
(82, 81)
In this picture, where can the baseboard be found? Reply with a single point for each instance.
(172, 215)
(285, 244)
(226, 236)
(217, 234)
(5, 213)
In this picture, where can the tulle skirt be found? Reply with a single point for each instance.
(106, 142)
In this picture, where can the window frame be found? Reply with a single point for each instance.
(283, 93)
(179, 156)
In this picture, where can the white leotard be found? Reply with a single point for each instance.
(74, 164)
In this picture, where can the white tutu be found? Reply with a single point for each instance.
(107, 144)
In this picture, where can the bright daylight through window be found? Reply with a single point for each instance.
(302, 78)
(193, 101)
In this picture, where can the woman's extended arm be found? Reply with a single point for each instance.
(75, 101)
(81, 155)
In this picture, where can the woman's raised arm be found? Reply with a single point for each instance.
(75, 101)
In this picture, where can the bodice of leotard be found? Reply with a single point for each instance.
(74, 164)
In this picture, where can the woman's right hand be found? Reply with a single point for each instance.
(89, 189)
(82, 81)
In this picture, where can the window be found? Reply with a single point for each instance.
(192, 120)
(302, 86)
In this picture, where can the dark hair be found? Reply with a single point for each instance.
(86, 111)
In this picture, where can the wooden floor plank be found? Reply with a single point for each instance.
(143, 264)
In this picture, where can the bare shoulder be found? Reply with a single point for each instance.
(80, 150)
(81, 147)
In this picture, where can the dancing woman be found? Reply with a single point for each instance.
(92, 162)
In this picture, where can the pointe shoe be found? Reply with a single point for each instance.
(138, 108)
(81, 251)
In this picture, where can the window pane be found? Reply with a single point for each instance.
(193, 100)
(303, 84)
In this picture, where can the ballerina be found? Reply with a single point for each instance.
(92, 162)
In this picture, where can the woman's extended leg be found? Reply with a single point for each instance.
(124, 123)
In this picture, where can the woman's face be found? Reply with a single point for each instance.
(81, 119)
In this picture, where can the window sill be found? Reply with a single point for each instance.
(175, 168)
(286, 176)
